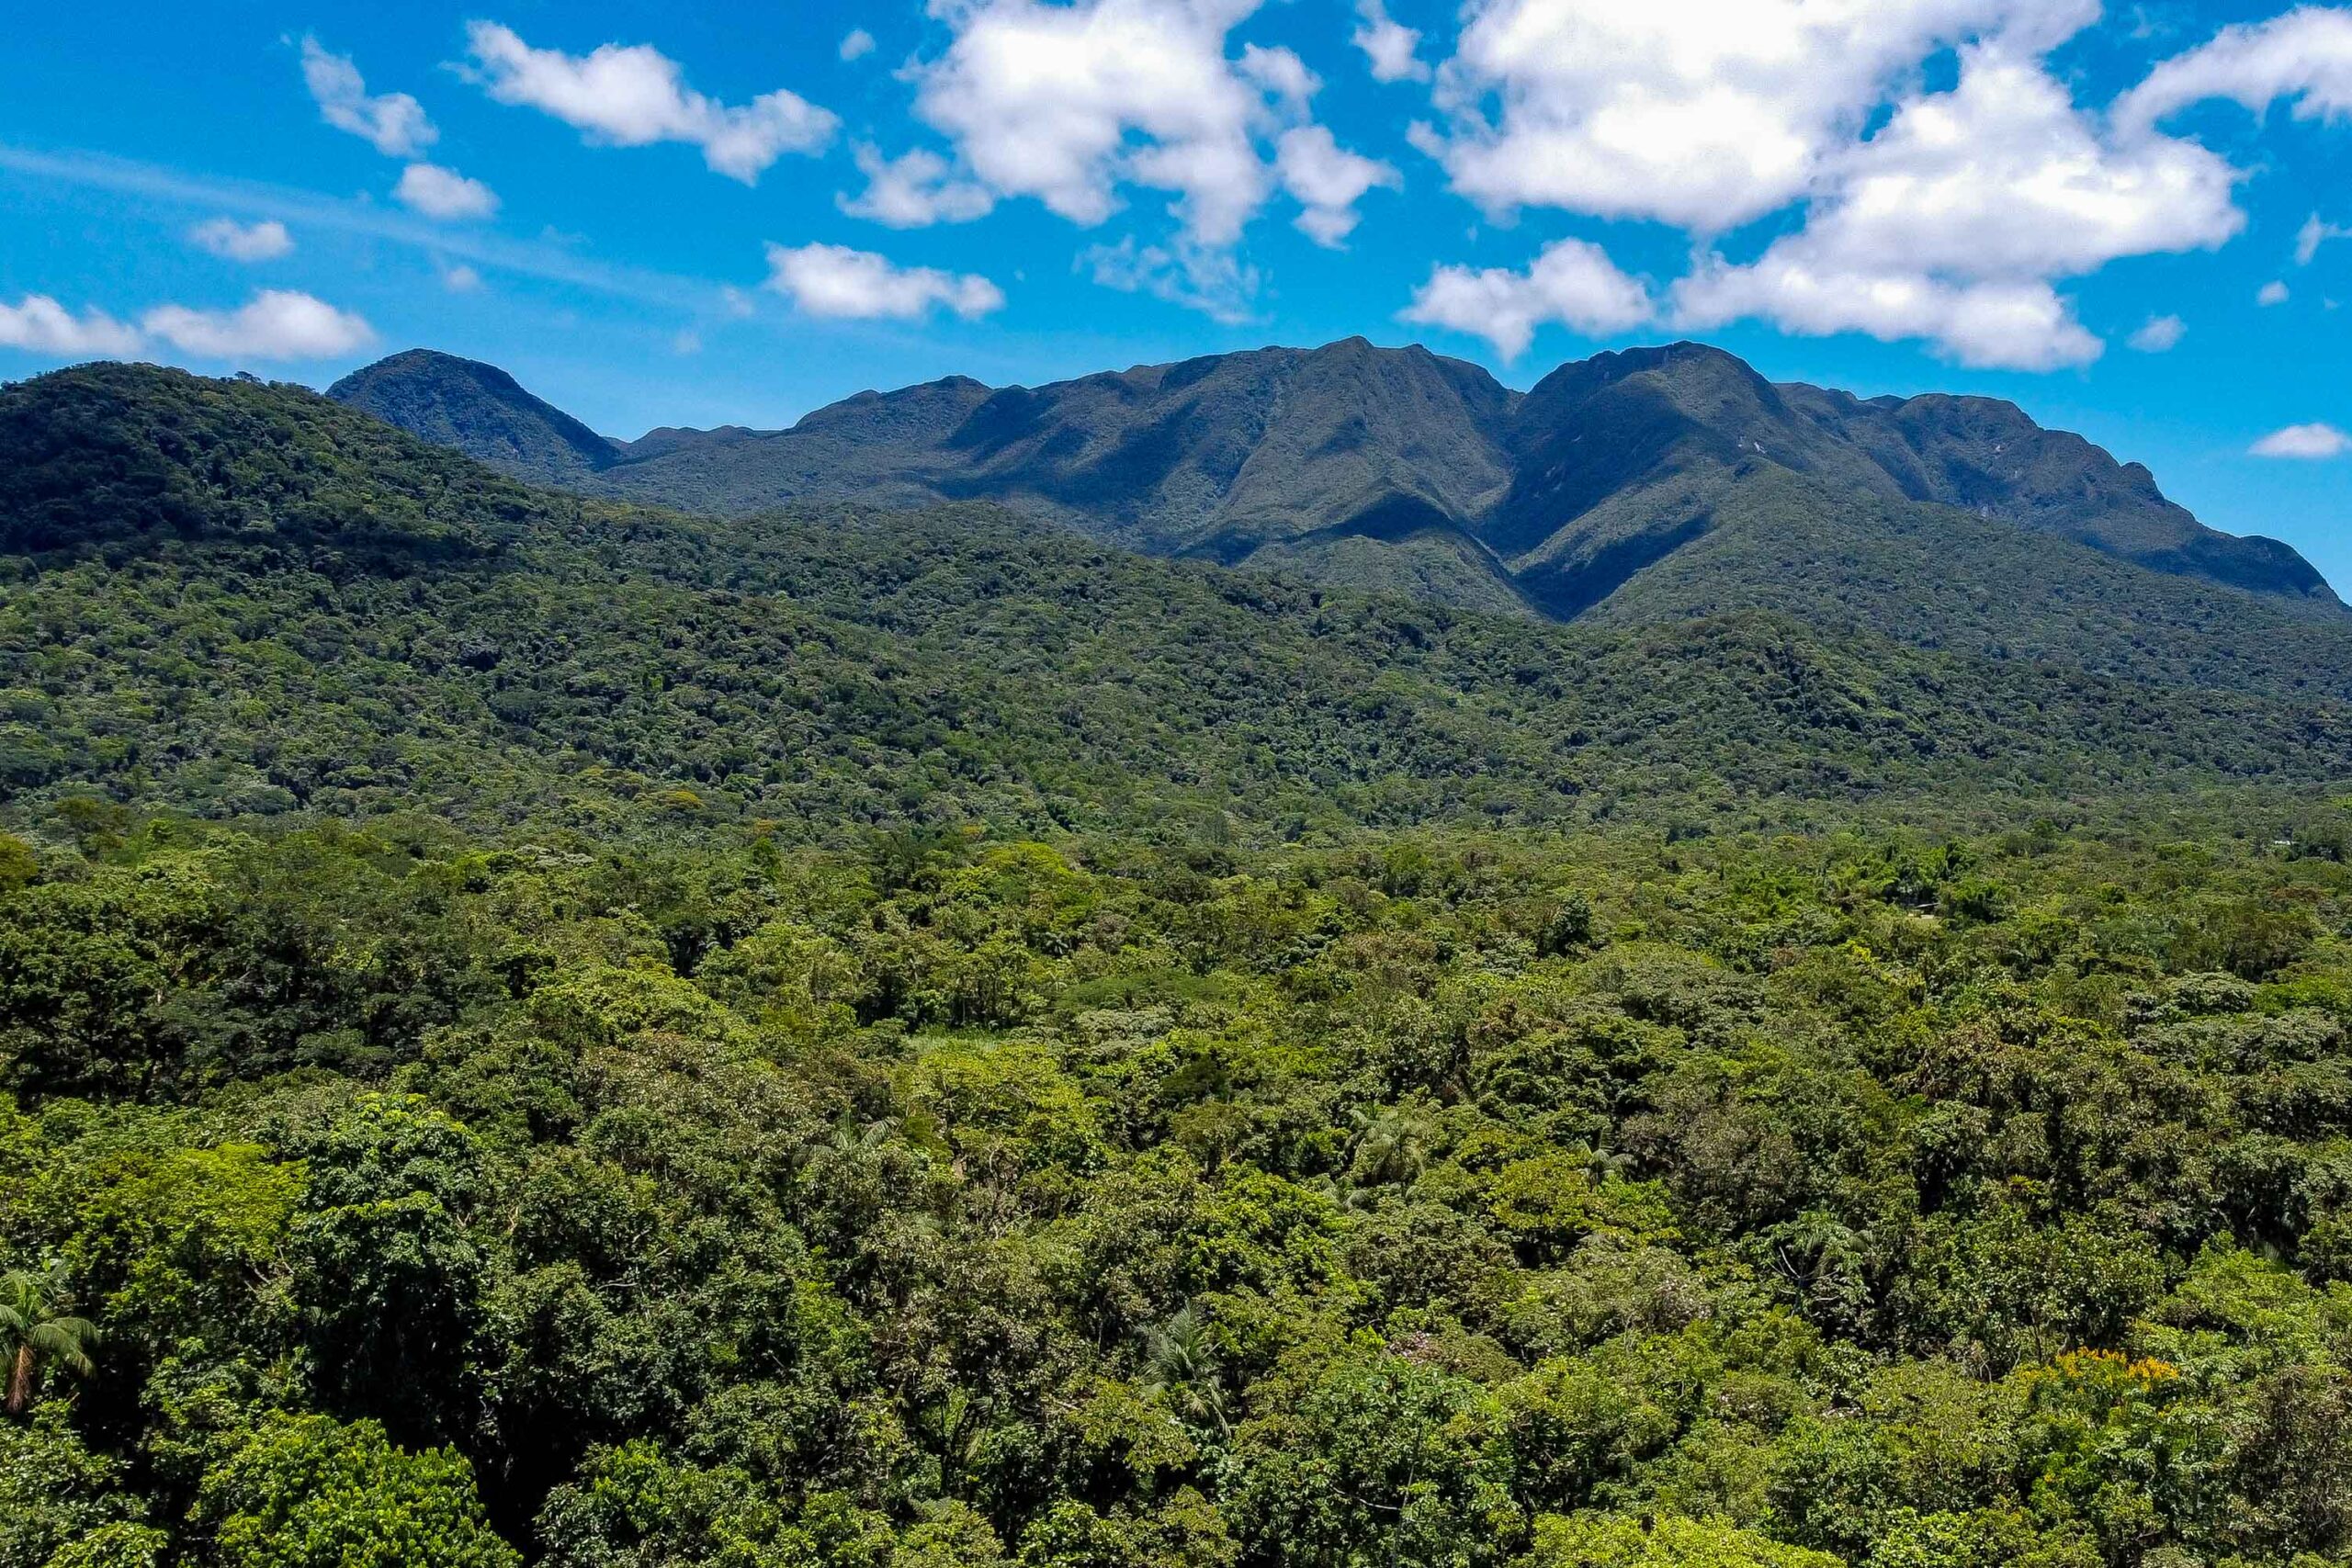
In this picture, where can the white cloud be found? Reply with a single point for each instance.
(836, 281)
(1281, 73)
(1210, 280)
(444, 193)
(2010, 325)
(1702, 113)
(2272, 293)
(2304, 55)
(633, 96)
(915, 190)
(2308, 442)
(461, 279)
(394, 122)
(2159, 334)
(1571, 282)
(276, 323)
(1389, 47)
(856, 44)
(2313, 234)
(686, 341)
(1066, 102)
(233, 241)
(2004, 178)
(1951, 224)
(40, 326)
(1328, 180)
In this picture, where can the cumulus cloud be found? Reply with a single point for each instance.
(1695, 112)
(2309, 443)
(444, 193)
(856, 44)
(276, 323)
(2159, 334)
(233, 241)
(1329, 181)
(1390, 48)
(2272, 293)
(633, 96)
(39, 324)
(915, 190)
(2003, 177)
(1065, 102)
(2016, 325)
(394, 123)
(1572, 282)
(461, 279)
(1951, 224)
(2304, 56)
(2316, 233)
(838, 282)
(1210, 280)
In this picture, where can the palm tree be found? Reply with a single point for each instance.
(35, 1331)
(1180, 1367)
(1393, 1145)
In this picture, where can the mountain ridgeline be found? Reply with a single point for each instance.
(239, 599)
(1398, 469)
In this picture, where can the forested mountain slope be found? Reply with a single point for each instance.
(539, 1030)
(239, 598)
(1368, 466)
(481, 411)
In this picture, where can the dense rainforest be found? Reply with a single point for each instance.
(540, 1031)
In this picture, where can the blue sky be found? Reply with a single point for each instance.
(704, 214)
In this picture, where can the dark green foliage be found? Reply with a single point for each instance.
(479, 410)
(1372, 467)
(314, 613)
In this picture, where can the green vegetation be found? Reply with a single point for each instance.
(237, 600)
(1385, 469)
(1791, 1202)
(533, 1031)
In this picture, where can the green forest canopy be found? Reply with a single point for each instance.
(963, 1145)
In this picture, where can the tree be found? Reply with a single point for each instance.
(1670, 1541)
(36, 1332)
(1180, 1368)
(310, 1491)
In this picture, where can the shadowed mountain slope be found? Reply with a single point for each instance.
(235, 599)
(1376, 468)
(481, 411)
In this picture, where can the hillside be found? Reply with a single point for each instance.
(243, 599)
(540, 1032)
(1371, 467)
(484, 413)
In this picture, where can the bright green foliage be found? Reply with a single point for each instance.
(1905, 1204)
(60, 1503)
(1589, 1541)
(310, 1492)
(1870, 1200)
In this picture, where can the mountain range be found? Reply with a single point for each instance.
(1653, 482)
(234, 599)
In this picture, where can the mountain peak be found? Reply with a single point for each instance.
(1347, 458)
(479, 410)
